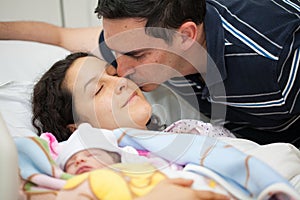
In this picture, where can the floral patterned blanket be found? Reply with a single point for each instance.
(244, 176)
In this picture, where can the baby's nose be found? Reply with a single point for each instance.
(78, 161)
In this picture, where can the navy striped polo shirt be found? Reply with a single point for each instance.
(255, 47)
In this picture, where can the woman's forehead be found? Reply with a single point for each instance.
(84, 69)
(88, 67)
(91, 63)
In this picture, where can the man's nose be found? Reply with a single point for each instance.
(111, 70)
(126, 66)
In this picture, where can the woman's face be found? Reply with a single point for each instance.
(103, 100)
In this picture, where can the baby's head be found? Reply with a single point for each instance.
(90, 159)
(86, 150)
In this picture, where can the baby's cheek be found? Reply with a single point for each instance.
(70, 169)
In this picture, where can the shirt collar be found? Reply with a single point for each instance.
(216, 71)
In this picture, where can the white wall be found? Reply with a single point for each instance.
(70, 13)
(80, 13)
(41, 10)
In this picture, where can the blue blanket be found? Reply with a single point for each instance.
(250, 176)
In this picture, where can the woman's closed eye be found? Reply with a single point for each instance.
(99, 90)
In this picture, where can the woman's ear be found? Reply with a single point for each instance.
(189, 32)
(72, 127)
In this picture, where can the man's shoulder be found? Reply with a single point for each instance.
(278, 13)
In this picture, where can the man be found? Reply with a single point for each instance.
(251, 69)
(257, 59)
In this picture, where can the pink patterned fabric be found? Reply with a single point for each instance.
(53, 144)
(194, 127)
(198, 127)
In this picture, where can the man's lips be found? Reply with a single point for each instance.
(83, 169)
(129, 99)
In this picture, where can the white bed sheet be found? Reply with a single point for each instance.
(22, 63)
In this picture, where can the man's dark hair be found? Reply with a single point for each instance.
(168, 14)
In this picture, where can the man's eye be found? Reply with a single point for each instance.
(99, 90)
(134, 55)
(137, 56)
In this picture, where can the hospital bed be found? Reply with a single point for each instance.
(22, 63)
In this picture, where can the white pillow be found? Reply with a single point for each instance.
(15, 107)
(22, 63)
(25, 61)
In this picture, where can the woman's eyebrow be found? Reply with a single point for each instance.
(88, 83)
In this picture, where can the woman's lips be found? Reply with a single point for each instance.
(130, 98)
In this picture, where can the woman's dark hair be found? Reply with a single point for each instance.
(52, 102)
(167, 14)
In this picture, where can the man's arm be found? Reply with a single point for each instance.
(72, 39)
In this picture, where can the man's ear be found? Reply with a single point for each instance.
(189, 32)
(72, 127)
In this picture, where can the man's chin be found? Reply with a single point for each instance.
(149, 87)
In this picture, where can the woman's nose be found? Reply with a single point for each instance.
(122, 85)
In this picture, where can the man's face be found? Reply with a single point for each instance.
(146, 60)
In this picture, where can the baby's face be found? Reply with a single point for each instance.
(88, 160)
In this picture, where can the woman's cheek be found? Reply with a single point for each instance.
(106, 113)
